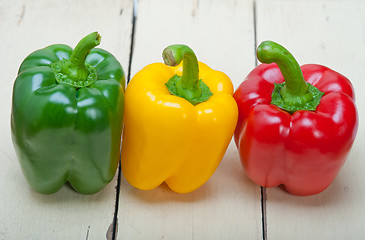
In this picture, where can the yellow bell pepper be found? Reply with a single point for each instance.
(177, 127)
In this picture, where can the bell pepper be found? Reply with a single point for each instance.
(179, 120)
(67, 115)
(296, 124)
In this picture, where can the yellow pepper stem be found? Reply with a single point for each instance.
(187, 86)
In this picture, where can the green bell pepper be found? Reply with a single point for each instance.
(67, 116)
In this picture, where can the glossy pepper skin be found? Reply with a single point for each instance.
(303, 150)
(168, 139)
(66, 133)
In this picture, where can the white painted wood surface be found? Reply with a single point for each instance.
(222, 34)
(26, 26)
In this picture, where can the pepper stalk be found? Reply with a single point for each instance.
(187, 86)
(74, 71)
(294, 93)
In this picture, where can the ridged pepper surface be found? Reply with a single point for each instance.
(177, 127)
(67, 116)
(296, 132)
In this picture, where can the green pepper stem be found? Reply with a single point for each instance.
(188, 87)
(269, 52)
(76, 68)
(74, 71)
(83, 48)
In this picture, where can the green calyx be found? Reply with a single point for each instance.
(187, 86)
(75, 71)
(295, 93)
(290, 103)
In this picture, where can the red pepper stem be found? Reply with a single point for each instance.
(295, 93)
(269, 52)
(188, 87)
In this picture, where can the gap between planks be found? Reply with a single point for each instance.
(263, 190)
(119, 178)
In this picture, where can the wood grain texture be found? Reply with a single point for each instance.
(26, 26)
(228, 205)
(329, 33)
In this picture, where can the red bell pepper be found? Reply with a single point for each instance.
(297, 133)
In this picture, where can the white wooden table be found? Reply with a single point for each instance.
(224, 35)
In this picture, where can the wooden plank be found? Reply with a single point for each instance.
(329, 33)
(26, 26)
(228, 206)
